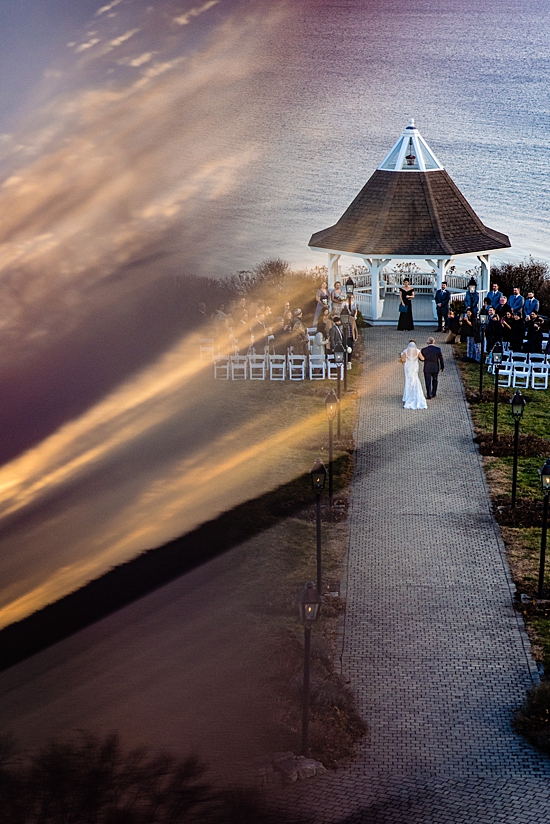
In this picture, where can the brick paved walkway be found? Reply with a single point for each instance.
(433, 648)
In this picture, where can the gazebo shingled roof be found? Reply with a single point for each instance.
(409, 207)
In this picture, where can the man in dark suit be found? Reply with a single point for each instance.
(442, 300)
(433, 361)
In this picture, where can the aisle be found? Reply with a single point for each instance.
(437, 656)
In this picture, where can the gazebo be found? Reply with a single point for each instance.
(409, 210)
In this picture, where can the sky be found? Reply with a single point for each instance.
(136, 139)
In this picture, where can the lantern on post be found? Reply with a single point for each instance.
(309, 603)
(332, 405)
(318, 478)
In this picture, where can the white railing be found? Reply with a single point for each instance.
(363, 301)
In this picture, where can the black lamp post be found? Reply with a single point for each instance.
(318, 478)
(350, 286)
(483, 321)
(344, 316)
(545, 486)
(518, 405)
(331, 405)
(496, 353)
(339, 359)
(309, 603)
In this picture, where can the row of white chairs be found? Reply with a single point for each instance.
(523, 375)
(277, 368)
(208, 349)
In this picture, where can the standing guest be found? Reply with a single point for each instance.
(279, 344)
(453, 326)
(534, 346)
(493, 332)
(516, 301)
(286, 308)
(202, 317)
(336, 334)
(322, 298)
(530, 323)
(531, 304)
(240, 309)
(465, 325)
(243, 335)
(502, 307)
(337, 298)
(299, 334)
(486, 306)
(349, 331)
(471, 299)
(517, 333)
(442, 301)
(495, 295)
(405, 322)
(327, 320)
(506, 323)
(319, 346)
(472, 336)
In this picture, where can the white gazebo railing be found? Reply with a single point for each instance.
(363, 301)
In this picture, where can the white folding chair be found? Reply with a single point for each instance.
(317, 368)
(537, 358)
(239, 367)
(206, 346)
(297, 367)
(539, 376)
(519, 357)
(332, 369)
(505, 373)
(221, 369)
(256, 367)
(277, 367)
(521, 376)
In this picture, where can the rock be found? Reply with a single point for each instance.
(288, 768)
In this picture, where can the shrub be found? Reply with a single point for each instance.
(533, 720)
(529, 276)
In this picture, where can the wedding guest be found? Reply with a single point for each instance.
(534, 345)
(299, 334)
(279, 344)
(442, 301)
(531, 304)
(517, 333)
(453, 326)
(502, 307)
(322, 299)
(338, 298)
(471, 299)
(516, 301)
(319, 346)
(495, 295)
(493, 332)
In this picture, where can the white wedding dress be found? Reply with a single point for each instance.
(413, 396)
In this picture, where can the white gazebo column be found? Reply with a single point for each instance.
(375, 266)
(332, 269)
(485, 261)
(441, 266)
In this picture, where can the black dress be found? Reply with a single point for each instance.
(405, 322)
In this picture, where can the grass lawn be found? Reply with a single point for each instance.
(521, 528)
(275, 564)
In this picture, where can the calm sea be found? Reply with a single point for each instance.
(474, 75)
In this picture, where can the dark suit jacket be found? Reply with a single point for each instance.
(433, 358)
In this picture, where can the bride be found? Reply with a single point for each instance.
(413, 396)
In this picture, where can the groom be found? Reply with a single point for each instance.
(433, 359)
